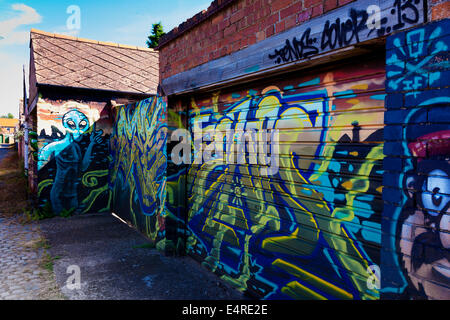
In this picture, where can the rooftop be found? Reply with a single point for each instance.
(61, 60)
(6, 122)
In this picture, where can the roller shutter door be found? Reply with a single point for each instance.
(313, 229)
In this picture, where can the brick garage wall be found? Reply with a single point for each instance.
(238, 24)
(438, 9)
(231, 25)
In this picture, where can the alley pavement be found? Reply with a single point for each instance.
(22, 275)
(4, 153)
(95, 257)
(111, 261)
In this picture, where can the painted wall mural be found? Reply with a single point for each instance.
(417, 242)
(358, 207)
(312, 230)
(138, 168)
(176, 186)
(32, 155)
(352, 24)
(73, 156)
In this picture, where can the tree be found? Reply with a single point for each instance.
(9, 116)
(156, 33)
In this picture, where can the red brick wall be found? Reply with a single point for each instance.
(242, 23)
(439, 9)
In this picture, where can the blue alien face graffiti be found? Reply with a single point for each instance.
(76, 124)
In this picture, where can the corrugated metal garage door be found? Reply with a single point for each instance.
(312, 230)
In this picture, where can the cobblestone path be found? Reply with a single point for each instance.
(23, 255)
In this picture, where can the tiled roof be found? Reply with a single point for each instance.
(74, 62)
(6, 122)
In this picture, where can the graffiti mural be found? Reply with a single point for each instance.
(138, 168)
(32, 160)
(176, 186)
(72, 160)
(313, 229)
(416, 260)
(351, 25)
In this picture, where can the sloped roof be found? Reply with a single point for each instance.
(6, 122)
(74, 62)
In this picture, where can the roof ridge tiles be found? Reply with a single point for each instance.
(104, 43)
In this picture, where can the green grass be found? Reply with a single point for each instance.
(41, 243)
(48, 261)
(13, 198)
(46, 212)
(150, 245)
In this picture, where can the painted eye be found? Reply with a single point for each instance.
(71, 124)
(436, 192)
(82, 124)
(436, 198)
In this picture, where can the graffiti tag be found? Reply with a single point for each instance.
(343, 31)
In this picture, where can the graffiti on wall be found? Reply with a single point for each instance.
(32, 156)
(312, 230)
(176, 186)
(350, 26)
(138, 167)
(417, 249)
(32, 160)
(73, 159)
(33, 145)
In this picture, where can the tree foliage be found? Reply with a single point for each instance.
(156, 33)
(9, 116)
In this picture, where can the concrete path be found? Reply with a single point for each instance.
(4, 153)
(22, 254)
(111, 265)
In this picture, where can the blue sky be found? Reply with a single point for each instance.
(125, 22)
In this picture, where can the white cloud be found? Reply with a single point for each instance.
(13, 54)
(8, 28)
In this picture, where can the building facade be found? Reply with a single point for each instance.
(74, 86)
(8, 128)
(358, 92)
(298, 149)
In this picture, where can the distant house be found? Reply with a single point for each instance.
(7, 129)
(73, 85)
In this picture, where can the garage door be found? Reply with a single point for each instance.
(311, 228)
